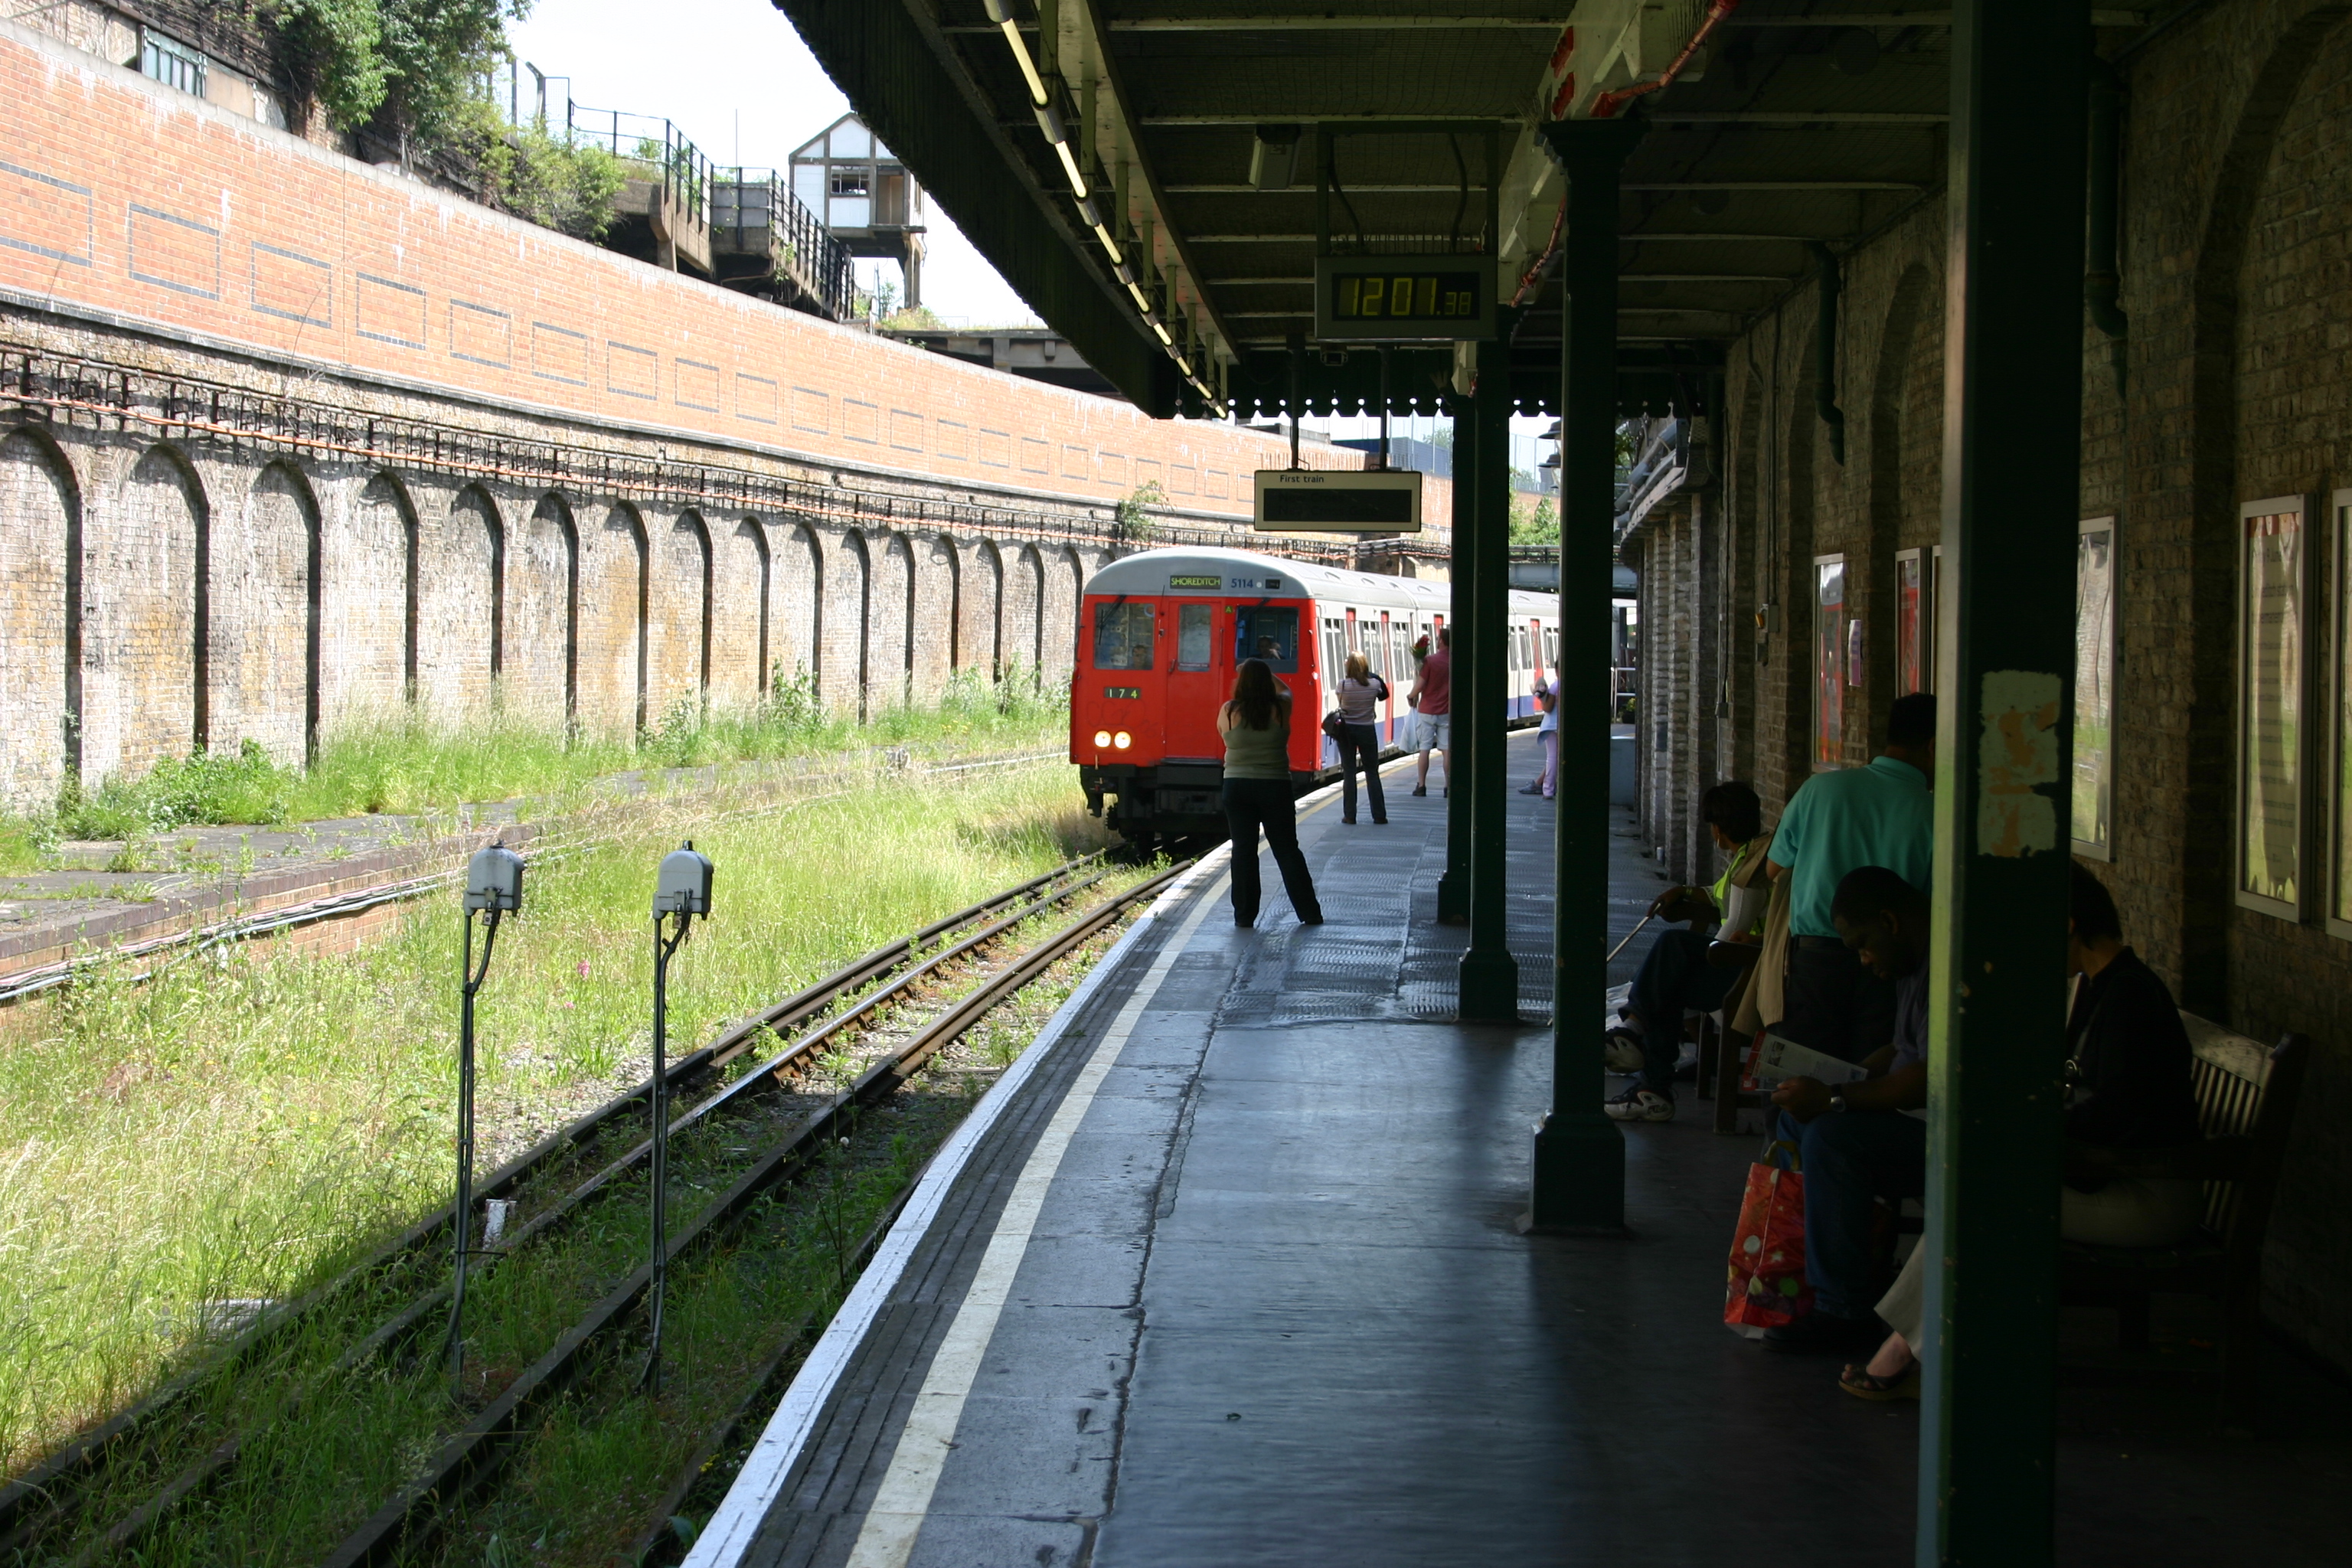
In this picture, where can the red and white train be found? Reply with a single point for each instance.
(1161, 634)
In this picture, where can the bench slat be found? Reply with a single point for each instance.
(2247, 1061)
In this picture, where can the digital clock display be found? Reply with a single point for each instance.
(1404, 298)
(1417, 297)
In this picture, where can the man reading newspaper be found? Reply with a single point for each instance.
(1854, 1141)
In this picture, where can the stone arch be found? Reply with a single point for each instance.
(144, 654)
(1058, 616)
(801, 597)
(1889, 413)
(740, 615)
(41, 627)
(849, 624)
(1025, 595)
(369, 584)
(460, 607)
(264, 624)
(2203, 796)
(983, 612)
(938, 610)
(614, 591)
(684, 614)
(540, 631)
(893, 612)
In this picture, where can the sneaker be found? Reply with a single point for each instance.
(1622, 1051)
(1533, 789)
(1639, 1104)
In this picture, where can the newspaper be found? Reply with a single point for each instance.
(1785, 1059)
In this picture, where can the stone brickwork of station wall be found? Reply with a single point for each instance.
(139, 205)
(2237, 278)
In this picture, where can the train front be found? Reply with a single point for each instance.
(1160, 635)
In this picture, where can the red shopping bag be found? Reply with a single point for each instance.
(1766, 1285)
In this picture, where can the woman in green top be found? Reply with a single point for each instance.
(1255, 726)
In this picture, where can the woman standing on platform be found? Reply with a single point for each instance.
(1359, 737)
(1255, 726)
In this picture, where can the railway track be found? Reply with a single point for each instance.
(114, 1491)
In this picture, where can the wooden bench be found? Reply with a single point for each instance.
(2245, 1101)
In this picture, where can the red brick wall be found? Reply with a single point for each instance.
(121, 196)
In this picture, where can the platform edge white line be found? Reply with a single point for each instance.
(760, 1480)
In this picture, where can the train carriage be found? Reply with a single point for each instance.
(1161, 632)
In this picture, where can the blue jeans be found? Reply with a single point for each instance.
(1674, 977)
(1851, 1157)
(1360, 745)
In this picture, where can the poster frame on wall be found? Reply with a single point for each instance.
(1825, 730)
(1921, 624)
(2098, 849)
(2338, 907)
(2296, 703)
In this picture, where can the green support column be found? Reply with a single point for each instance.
(1489, 985)
(1580, 1155)
(2012, 425)
(1454, 887)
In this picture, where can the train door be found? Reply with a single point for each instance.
(1387, 667)
(1198, 679)
(1283, 637)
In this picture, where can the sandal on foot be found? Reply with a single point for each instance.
(1858, 1380)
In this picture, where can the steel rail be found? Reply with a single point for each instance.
(476, 1452)
(22, 1518)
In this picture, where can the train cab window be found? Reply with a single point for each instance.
(1551, 647)
(1123, 636)
(1269, 632)
(1193, 635)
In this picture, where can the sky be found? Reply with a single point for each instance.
(736, 79)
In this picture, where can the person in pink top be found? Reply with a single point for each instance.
(1433, 699)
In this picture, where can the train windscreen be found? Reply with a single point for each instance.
(1269, 632)
(1123, 636)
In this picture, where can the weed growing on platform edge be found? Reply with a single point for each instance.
(248, 1122)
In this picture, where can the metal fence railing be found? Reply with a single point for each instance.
(757, 209)
(679, 166)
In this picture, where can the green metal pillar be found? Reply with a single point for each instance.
(2012, 431)
(1489, 985)
(1454, 887)
(1580, 1155)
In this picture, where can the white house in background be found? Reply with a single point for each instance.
(864, 196)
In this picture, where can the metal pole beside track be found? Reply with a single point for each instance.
(1488, 989)
(1996, 1012)
(1579, 1175)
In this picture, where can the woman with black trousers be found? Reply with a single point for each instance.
(1360, 698)
(1257, 728)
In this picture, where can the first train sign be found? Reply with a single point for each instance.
(1338, 500)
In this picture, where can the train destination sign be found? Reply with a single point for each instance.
(1338, 500)
(1404, 298)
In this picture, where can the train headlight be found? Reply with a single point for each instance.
(1123, 740)
(1102, 737)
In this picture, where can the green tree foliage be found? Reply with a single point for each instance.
(407, 68)
(557, 184)
(1537, 524)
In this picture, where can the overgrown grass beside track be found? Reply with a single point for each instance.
(243, 1126)
(408, 762)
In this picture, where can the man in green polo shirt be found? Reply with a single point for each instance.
(1840, 822)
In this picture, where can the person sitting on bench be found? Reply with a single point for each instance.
(1677, 976)
(2128, 1089)
(1855, 1143)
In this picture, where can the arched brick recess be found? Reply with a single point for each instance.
(40, 533)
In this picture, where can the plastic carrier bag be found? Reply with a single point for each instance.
(1765, 1284)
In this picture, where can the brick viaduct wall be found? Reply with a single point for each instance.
(285, 438)
(2236, 252)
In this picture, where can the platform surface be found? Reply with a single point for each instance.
(1232, 1280)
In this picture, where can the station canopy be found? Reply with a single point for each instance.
(1159, 178)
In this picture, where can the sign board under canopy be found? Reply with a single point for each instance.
(1338, 500)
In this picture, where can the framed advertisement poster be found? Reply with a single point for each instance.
(1915, 660)
(2095, 571)
(1829, 662)
(2273, 570)
(2339, 789)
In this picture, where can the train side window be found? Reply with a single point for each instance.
(1192, 637)
(1269, 632)
(1551, 647)
(1123, 636)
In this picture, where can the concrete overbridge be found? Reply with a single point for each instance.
(1877, 257)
